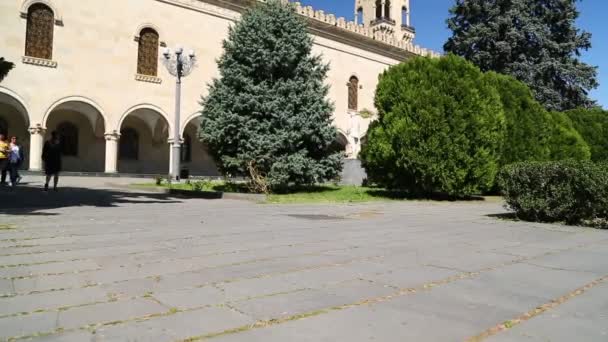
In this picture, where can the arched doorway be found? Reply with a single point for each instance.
(14, 121)
(143, 146)
(195, 155)
(340, 144)
(80, 124)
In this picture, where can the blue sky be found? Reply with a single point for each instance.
(428, 17)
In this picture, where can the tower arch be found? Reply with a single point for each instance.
(391, 17)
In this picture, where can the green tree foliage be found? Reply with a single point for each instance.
(570, 191)
(565, 141)
(267, 116)
(592, 124)
(535, 41)
(5, 67)
(440, 129)
(529, 125)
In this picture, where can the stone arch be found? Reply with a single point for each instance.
(148, 25)
(14, 115)
(152, 127)
(190, 119)
(149, 107)
(387, 9)
(200, 163)
(83, 122)
(9, 97)
(25, 6)
(75, 99)
(341, 142)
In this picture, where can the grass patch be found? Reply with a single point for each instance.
(309, 194)
(328, 194)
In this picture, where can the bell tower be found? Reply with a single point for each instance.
(388, 16)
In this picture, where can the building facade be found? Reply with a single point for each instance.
(92, 71)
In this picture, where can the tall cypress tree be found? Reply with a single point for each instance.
(267, 116)
(535, 41)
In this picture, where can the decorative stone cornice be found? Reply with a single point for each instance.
(148, 79)
(39, 62)
(320, 24)
(38, 129)
(112, 136)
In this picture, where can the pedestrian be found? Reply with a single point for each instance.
(4, 151)
(15, 158)
(51, 155)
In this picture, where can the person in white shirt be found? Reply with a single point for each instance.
(15, 158)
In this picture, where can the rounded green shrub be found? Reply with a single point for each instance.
(528, 124)
(565, 140)
(440, 130)
(568, 191)
(592, 124)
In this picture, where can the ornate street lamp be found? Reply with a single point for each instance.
(178, 65)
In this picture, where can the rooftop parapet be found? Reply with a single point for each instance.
(342, 23)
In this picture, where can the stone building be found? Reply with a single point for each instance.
(91, 70)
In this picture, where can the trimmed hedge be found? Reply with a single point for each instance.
(592, 124)
(441, 129)
(575, 192)
(565, 141)
(529, 125)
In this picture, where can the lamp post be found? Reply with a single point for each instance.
(178, 65)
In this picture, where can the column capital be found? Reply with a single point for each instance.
(172, 141)
(38, 129)
(112, 136)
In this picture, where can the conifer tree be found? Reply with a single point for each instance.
(535, 41)
(5, 67)
(267, 116)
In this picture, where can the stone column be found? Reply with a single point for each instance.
(112, 152)
(171, 152)
(36, 145)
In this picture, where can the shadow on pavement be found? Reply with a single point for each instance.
(33, 201)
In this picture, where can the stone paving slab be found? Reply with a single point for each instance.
(51, 300)
(108, 312)
(176, 327)
(26, 325)
(97, 263)
(583, 318)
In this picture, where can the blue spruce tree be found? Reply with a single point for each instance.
(267, 116)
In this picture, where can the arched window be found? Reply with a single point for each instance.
(378, 9)
(4, 127)
(187, 149)
(359, 18)
(68, 136)
(387, 9)
(353, 93)
(39, 32)
(128, 148)
(147, 56)
(404, 20)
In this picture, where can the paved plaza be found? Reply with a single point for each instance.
(96, 262)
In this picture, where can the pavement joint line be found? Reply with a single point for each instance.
(232, 280)
(157, 250)
(400, 293)
(536, 311)
(201, 236)
(558, 268)
(164, 241)
(160, 262)
(38, 275)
